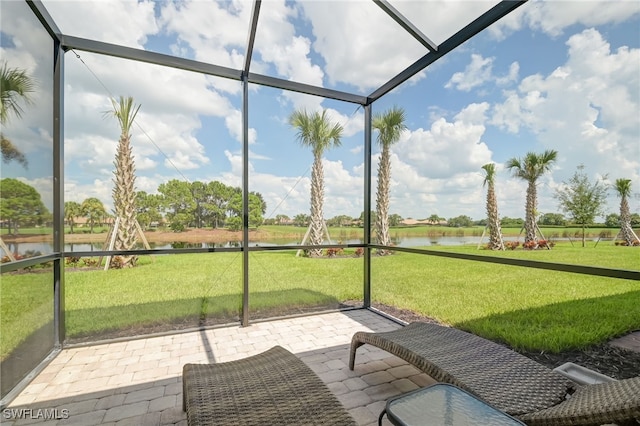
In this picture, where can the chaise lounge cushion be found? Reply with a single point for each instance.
(604, 403)
(506, 379)
(271, 388)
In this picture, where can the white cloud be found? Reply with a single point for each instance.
(80, 191)
(209, 31)
(585, 109)
(359, 43)
(554, 17)
(278, 45)
(127, 23)
(351, 125)
(447, 147)
(233, 121)
(480, 71)
(475, 74)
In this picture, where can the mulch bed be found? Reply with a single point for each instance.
(609, 360)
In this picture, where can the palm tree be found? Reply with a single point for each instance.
(124, 194)
(93, 209)
(315, 130)
(71, 211)
(390, 126)
(530, 168)
(623, 186)
(493, 218)
(15, 87)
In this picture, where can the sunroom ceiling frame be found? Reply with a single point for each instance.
(435, 52)
(406, 25)
(479, 24)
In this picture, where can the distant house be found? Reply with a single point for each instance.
(81, 221)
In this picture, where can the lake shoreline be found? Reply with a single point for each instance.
(224, 235)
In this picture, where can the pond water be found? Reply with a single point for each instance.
(44, 247)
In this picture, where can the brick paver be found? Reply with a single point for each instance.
(139, 382)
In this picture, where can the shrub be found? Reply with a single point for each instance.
(333, 252)
(72, 261)
(90, 261)
(359, 252)
(177, 226)
(511, 245)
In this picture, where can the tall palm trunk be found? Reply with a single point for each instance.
(530, 168)
(382, 197)
(316, 131)
(390, 126)
(317, 196)
(530, 214)
(124, 197)
(628, 235)
(124, 194)
(493, 219)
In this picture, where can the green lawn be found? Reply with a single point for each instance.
(524, 307)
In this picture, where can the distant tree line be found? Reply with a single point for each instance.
(198, 205)
(180, 205)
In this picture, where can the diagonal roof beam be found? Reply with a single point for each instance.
(485, 20)
(406, 24)
(45, 19)
(255, 12)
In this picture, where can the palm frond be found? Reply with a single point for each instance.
(390, 125)
(490, 173)
(15, 86)
(125, 111)
(623, 187)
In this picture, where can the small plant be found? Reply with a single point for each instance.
(90, 262)
(359, 252)
(623, 243)
(511, 245)
(117, 262)
(72, 261)
(530, 245)
(333, 252)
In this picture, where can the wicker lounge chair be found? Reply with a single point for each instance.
(271, 388)
(505, 379)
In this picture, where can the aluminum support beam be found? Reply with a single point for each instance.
(140, 55)
(69, 42)
(45, 19)
(492, 15)
(406, 24)
(245, 201)
(624, 274)
(308, 89)
(58, 193)
(367, 206)
(255, 13)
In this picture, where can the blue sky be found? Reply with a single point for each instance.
(551, 75)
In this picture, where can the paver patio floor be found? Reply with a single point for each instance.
(138, 382)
